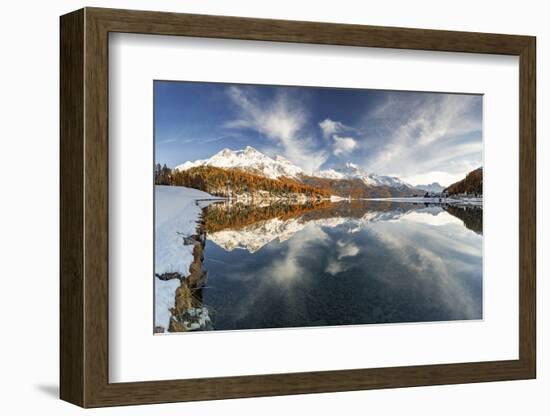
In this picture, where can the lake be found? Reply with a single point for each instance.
(333, 263)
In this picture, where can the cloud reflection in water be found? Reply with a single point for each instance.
(377, 264)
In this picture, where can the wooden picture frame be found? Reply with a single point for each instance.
(84, 207)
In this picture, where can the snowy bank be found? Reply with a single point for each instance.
(177, 212)
(165, 296)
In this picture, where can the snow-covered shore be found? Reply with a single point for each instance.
(433, 200)
(177, 212)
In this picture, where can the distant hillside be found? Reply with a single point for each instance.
(472, 184)
(357, 188)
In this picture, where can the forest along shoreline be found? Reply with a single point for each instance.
(250, 176)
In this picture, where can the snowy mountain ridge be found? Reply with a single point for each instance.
(254, 161)
(352, 171)
(248, 159)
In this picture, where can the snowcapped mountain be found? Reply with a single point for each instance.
(248, 159)
(345, 181)
(254, 161)
(432, 187)
(352, 171)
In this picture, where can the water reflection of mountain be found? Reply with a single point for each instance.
(240, 226)
(383, 235)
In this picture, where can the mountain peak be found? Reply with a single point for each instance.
(224, 152)
(250, 150)
(248, 159)
(351, 170)
(252, 160)
(432, 187)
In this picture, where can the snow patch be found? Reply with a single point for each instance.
(165, 299)
(177, 212)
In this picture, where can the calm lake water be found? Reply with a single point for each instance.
(359, 262)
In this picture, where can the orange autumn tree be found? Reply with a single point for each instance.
(232, 182)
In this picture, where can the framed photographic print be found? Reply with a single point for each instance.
(260, 207)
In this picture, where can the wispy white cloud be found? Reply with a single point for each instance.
(168, 141)
(282, 120)
(340, 145)
(343, 145)
(206, 139)
(330, 127)
(431, 136)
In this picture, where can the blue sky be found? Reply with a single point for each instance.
(419, 137)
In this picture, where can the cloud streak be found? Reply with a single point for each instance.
(282, 120)
(330, 127)
(423, 136)
(343, 145)
(340, 145)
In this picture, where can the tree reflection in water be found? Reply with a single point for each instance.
(233, 226)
